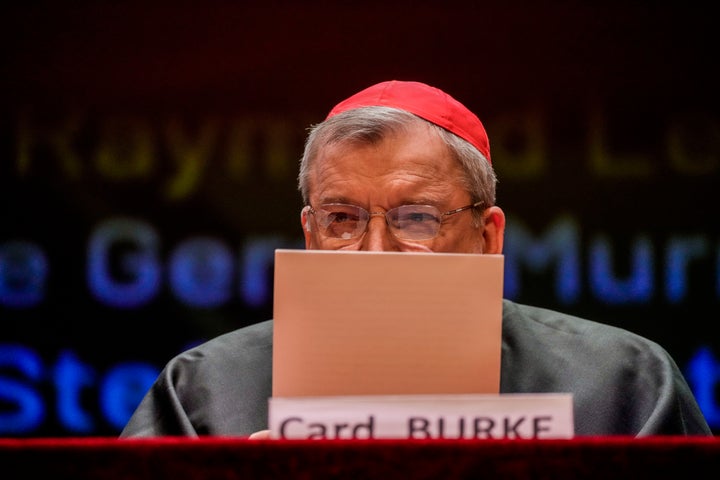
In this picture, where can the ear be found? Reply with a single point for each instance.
(305, 222)
(493, 230)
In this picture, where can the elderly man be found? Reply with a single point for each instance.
(403, 166)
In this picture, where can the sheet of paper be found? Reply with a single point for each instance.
(368, 323)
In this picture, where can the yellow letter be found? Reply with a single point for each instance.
(606, 164)
(190, 156)
(518, 150)
(125, 149)
(59, 140)
(694, 149)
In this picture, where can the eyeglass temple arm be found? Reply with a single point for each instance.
(458, 210)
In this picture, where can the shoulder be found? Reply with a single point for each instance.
(550, 322)
(622, 382)
(244, 348)
(556, 333)
(256, 335)
(219, 387)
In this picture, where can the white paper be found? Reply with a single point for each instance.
(478, 416)
(385, 323)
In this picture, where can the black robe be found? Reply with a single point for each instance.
(622, 384)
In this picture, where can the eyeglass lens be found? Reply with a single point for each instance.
(410, 222)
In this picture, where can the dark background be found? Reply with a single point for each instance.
(188, 118)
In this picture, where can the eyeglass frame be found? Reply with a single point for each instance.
(442, 215)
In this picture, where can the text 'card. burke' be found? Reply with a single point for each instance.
(474, 416)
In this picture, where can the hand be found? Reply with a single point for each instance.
(261, 435)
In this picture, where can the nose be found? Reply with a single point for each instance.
(378, 237)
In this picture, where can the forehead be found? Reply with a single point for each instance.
(415, 150)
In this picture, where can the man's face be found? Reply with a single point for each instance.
(410, 167)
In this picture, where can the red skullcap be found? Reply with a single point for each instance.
(426, 102)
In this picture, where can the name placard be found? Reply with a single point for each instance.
(472, 416)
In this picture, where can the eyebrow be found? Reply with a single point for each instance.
(404, 200)
(337, 200)
(346, 201)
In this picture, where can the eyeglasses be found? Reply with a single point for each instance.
(407, 222)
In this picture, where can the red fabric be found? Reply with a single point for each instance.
(426, 102)
(230, 458)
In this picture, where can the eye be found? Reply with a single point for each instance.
(416, 217)
(342, 216)
(409, 215)
(342, 221)
(338, 217)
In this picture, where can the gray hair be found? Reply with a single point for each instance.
(369, 125)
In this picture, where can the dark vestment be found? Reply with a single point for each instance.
(622, 384)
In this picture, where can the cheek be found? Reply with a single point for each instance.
(312, 240)
(467, 241)
(321, 243)
(415, 247)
